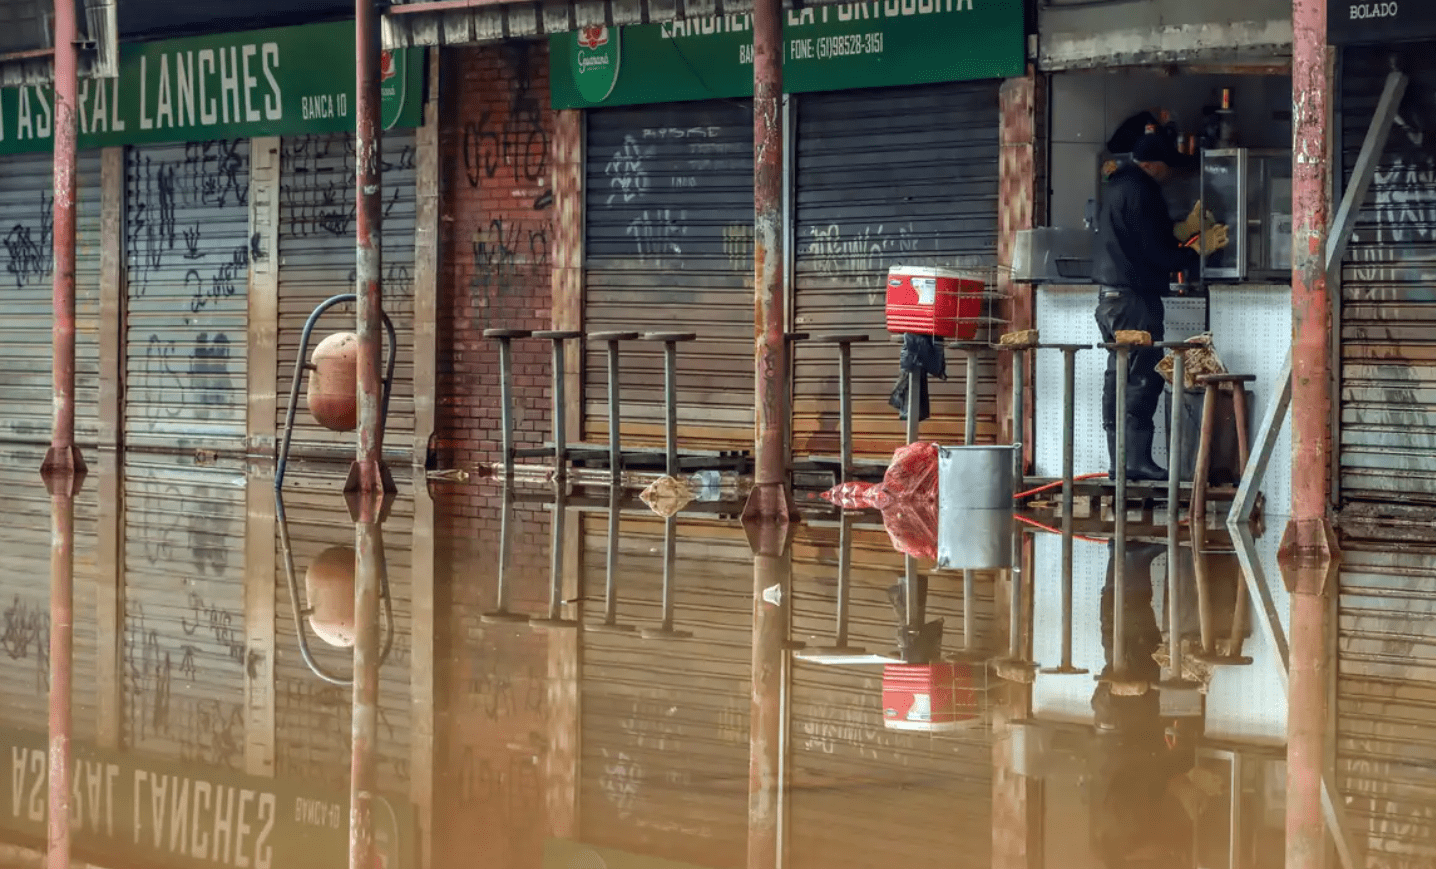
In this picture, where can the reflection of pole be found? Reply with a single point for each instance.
(369, 575)
(501, 613)
(772, 570)
(63, 454)
(368, 473)
(770, 497)
(62, 631)
(555, 617)
(1069, 416)
(1306, 729)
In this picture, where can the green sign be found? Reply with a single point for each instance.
(153, 813)
(595, 62)
(277, 82)
(879, 43)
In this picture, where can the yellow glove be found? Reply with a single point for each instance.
(1193, 223)
(1214, 239)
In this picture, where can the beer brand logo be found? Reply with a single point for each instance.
(593, 37)
(386, 65)
(595, 62)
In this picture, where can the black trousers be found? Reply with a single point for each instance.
(1120, 310)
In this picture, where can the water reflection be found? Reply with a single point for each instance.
(601, 680)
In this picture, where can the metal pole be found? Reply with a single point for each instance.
(1069, 416)
(772, 572)
(845, 409)
(845, 577)
(368, 473)
(670, 404)
(369, 572)
(914, 405)
(501, 612)
(770, 497)
(1174, 453)
(560, 447)
(1019, 377)
(969, 406)
(615, 448)
(62, 626)
(1306, 731)
(506, 391)
(63, 454)
(1119, 517)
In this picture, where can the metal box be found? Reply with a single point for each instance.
(974, 507)
(1053, 256)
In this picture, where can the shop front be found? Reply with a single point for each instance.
(1387, 426)
(184, 286)
(891, 159)
(1229, 107)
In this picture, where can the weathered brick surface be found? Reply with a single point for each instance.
(497, 228)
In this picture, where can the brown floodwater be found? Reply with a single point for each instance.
(568, 681)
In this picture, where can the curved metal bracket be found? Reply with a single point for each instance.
(299, 366)
(299, 610)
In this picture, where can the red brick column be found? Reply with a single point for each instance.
(1022, 204)
(498, 238)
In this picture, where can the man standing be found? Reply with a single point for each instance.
(1134, 257)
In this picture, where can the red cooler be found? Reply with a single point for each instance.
(930, 697)
(939, 302)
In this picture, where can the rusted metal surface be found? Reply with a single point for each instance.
(370, 568)
(367, 474)
(770, 497)
(64, 455)
(1308, 547)
(772, 573)
(62, 487)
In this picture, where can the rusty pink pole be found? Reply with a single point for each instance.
(368, 473)
(62, 488)
(770, 497)
(1309, 551)
(369, 572)
(64, 455)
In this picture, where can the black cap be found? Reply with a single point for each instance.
(1157, 148)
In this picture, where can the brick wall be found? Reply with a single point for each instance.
(496, 137)
(497, 234)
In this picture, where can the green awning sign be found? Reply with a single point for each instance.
(171, 816)
(277, 82)
(877, 43)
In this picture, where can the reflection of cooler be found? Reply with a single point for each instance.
(938, 302)
(931, 697)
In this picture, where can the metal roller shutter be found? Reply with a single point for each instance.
(1388, 310)
(316, 261)
(313, 717)
(1386, 686)
(25, 597)
(184, 640)
(884, 177)
(26, 310)
(187, 245)
(665, 722)
(669, 245)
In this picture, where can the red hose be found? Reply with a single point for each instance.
(1057, 483)
(1034, 523)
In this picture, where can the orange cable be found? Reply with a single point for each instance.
(1057, 483)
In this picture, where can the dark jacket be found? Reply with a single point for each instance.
(1135, 247)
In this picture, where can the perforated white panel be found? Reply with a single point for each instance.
(1252, 328)
(1064, 315)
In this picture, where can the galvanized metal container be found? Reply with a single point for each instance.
(974, 507)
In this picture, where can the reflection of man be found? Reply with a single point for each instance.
(1134, 257)
(1135, 819)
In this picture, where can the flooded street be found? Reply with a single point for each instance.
(566, 680)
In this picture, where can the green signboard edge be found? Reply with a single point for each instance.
(695, 72)
(412, 67)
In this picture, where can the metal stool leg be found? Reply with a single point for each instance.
(506, 393)
(555, 617)
(914, 404)
(615, 450)
(969, 408)
(560, 429)
(845, 411)
(1019, 377)
(667, 632)
(670, 403)
(501, 613)
(1069, 412)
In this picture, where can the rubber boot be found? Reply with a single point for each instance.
(1139, 457)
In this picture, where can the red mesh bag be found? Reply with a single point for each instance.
(907, 496)
(912, 527)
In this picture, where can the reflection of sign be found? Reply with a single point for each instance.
(596, 58)
(153, 813)
(1355, 21)
(277, 82)
(877, 43)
